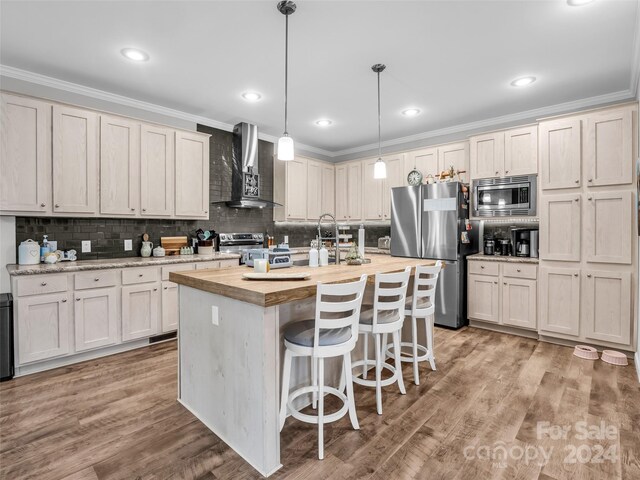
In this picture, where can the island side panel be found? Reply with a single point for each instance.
(229, 373)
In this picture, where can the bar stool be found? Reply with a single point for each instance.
(386, 316)
(421, 305)
(332, 333)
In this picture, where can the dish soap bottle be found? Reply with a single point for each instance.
(313, 253)
(44, 249)
(324, 256)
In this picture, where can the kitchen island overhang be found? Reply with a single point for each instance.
(230, 348)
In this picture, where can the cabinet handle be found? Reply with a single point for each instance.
(166, 288)
(133, 210)
(590, 180)
(96, 279)
(155, 289)
(44, 284)
(206, 211)
(77, 299)
(497, 172)
(481, 266)
(144, 209)
(588, 275)
(42, 205)
(56, 205)
(495, 283)
(140, 275)
(577, 199)
(64, 300)
(577, 181)
(588, 198)
(518, 270)
(506, 171)
(504, 283)
(575, 274)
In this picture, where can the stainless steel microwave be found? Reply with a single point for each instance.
(505, 197)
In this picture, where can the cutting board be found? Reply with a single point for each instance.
(172, 245)
(276, 276)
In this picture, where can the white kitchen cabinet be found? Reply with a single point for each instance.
(607, 231)
(607, 306)
(521, 151)
(314, 190)
(157, 164)
(560, 153)
(354, 190)
(519, 301)
(342, 196)
(424, 160)
(25, 155)
(559, 290)
(454, 155)
(372, 189)
(140, 305)
(95, 318)
(192, 175)
(296, 189)
(560, 227)
(75, 160)
(43, 327)
(170, 306)
(483, 298)
(395, 178)
(487, 155)
(119, 166)
(328, 189)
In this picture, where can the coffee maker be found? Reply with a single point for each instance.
(524, 242)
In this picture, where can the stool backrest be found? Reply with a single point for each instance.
(338, 306)
(390, 293)
(424, 289)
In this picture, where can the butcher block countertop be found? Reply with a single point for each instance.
(230, 283)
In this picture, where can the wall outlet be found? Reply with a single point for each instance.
(214, 316)
(86, 246)
(128, 245)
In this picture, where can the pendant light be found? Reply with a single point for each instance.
(380, 168)
(285, 142)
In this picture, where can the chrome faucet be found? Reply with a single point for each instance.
(320, 238)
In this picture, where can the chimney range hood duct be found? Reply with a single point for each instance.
(245, 181)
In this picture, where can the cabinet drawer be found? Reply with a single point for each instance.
(520, 270)
(39, 284)
(484, 268)
(96, 279)
(205, 265)
(132, 276)
(181, 267)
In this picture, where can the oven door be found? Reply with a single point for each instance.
(511, 199)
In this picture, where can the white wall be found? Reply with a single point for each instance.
(7, 250)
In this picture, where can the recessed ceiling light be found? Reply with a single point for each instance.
(135, 54)
(523, 81)
(324, 122)
(411, 112)
(251, 96)
(578, 3)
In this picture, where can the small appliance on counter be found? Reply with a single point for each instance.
(239, 242)
(489, 246)
(522, 240)
(504, 247)
(384, 243)
(277, 257)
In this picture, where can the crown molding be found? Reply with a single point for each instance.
(496, 121)
(44, 80)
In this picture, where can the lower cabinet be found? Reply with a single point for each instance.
(43, 327)
(607, 306)
(519, 302)
(483, 298)
(560, 300)
(140, 305)
(95, 318)
(170, 306)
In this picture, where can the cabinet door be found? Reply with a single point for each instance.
(157, 163)
(354, 190)
(314, 190)
(607, 297)
(455, 155)
(560, 300)
(43, 327)
(395, 178)
(608, 229)
(296, 201)
(483, 301)
(342, 198)
(487, 155)
(119, 166)
(372, 189)
(140, 311)
(170, 307)
(328, 189)
(75, 160)
(95, 318)
(609, 148)
(519, 300)
(560, 153)
(25, 154)
(521, 151)
(560, 227)
(192, 175)
(425, 161)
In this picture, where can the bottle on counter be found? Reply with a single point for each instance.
(324, 256)
(44, 248)
(361, 241)
(265, 240)
(313, 253)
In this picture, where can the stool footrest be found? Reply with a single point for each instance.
(303, 417)
(408, 357)
(372, 383)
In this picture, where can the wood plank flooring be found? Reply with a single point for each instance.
(477, 416)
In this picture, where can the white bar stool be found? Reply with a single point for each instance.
(332, 333)
(386, 316)
(421, 305)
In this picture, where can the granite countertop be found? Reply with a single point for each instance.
(500, 258)
(81, 265)
(370, 250)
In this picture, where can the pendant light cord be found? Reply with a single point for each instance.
(379, 119)
(286, 70)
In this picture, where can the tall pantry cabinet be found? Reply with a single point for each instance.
(588, 263)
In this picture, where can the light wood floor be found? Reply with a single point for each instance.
(118, 418)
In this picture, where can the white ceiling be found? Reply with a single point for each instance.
(452, 59)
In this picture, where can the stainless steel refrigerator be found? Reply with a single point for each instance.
(428, 221)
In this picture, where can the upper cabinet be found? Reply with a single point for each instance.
(328, 188)
(372, 189)
(349, 191)
(487, 155)
(192, 175)
(313, 190)
(396, 177)
(341, 185)
(521, 151)
(75, 160)
(157, 164)
(425, 161)
(25, 155)
(454, 155)
(434, 160)
(560, 153)
(296, 190)
(608, 227)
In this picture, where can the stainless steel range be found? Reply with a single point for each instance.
(239, 242)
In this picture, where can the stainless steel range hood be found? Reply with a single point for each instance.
(245, 181)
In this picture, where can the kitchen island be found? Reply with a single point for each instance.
(230, 348)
